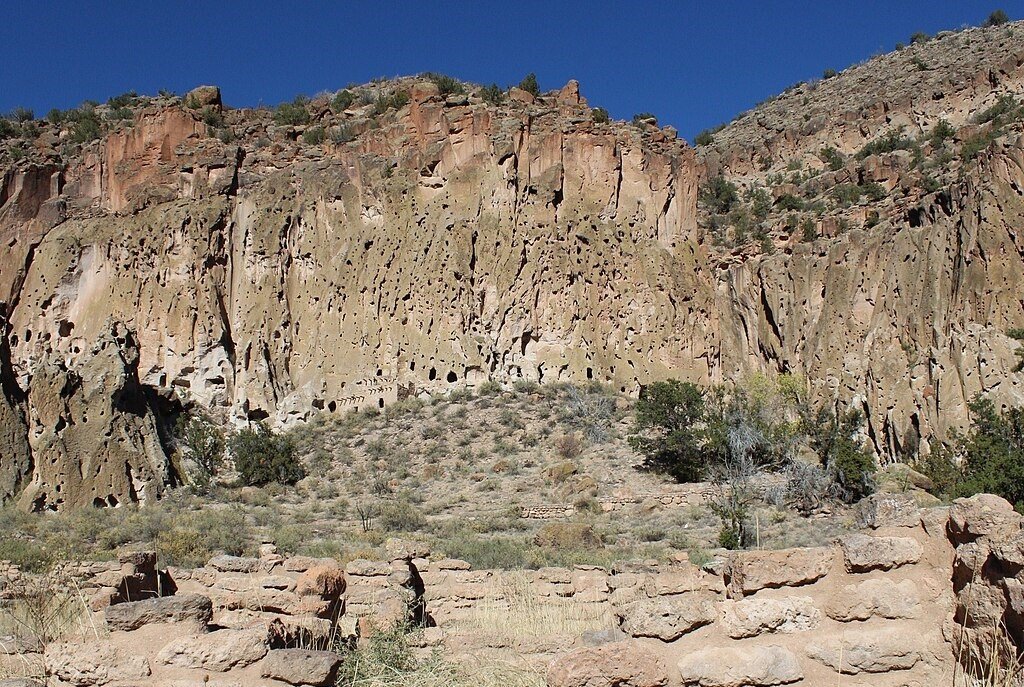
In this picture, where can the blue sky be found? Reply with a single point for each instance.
(693, 64)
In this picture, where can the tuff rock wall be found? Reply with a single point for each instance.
(450, 242)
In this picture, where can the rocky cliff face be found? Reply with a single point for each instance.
(269, 270)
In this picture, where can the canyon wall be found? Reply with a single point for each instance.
(452, 241)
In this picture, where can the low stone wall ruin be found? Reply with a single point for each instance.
(895, 604)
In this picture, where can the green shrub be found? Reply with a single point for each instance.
(643, 118)
(788, 202)
(392, 101)
(261, 457)
(762, 202)
(832, 157)
(314, 135)
(975, 144)
(834, 437)
(890, 142)
(401, 516)
(204, 444)
(123, 100)
(941, 132)
(343, 100)
(600, 115)
(704, 138)
(22, 115)
(567, 535)
(991, 455)
(30, 556)
(874, 191)
(342, 134)
(294, 113)
(492, 94)
(829, 74)
(529, 84)
(671, 430)
(1018, 334)
(718, 195)
(446, 85)
(919, 37)
(997, 18)
(86, 125)
(846, 194)
(212, 117)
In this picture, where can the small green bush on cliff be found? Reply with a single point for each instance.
(293, 113)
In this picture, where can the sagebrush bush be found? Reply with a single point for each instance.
(294, 113)
(401, 516)
(262, 457)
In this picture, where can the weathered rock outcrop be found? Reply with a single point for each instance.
(265, 270)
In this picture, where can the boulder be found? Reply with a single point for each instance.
(570, 93)
(516, 93)
(167, 609)
(326, 582)
(982, 515)
(203, 96)
(85, 665)
(863, 552)
(749, 571)
(888, 510)
(301, 667)
(668, 618)
(619, 664)
(740, 667)
(753, 617)
(875, 598)
(236, 564)
(880, 651)
(217, 651)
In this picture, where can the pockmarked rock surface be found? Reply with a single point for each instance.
(453, 241)
(668, 618)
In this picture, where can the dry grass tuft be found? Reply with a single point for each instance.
(516, 612)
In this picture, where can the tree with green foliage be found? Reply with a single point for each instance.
(833, 436)
(86, 125)
(941, 132)
(342, 100)
(492, 94)
(997, 18)
(833, 158)
(719, 195)
(600, 115)
(446, 85)
(643, 118)
(530, 85)
(671, 430)
(203, 443)
(262, 457)
(704, 138)
(989, 458)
